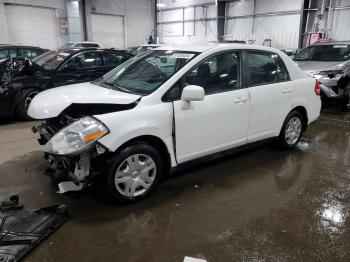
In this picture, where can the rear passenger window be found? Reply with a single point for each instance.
(219, 73)
(27, 52)
(265, 68)
(113, 59)
(3, 53)
(8, 53)
(84, 60)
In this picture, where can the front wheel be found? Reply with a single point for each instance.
(134, 173)
(291, 130)
(22, 102)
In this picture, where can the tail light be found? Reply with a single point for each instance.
(317, 88)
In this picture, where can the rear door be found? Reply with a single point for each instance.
(270, 91)
(220, 121)
(82, 67)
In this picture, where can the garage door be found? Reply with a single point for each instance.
(108, 30)
(31, 26)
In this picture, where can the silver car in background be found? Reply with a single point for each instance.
(329, 63)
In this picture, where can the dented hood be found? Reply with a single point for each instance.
(52, 102)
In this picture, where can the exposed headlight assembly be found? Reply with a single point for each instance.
(76, 137)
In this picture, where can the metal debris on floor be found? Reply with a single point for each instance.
(21, 231)
(191, 259)
(11, 204)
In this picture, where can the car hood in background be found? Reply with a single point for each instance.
(317, 66)
(52, 102)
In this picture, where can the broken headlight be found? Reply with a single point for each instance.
(76, 137)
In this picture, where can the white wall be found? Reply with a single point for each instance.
(138, 16)
(182, 3)
(74, 21)
(282, 29)
(188, 23)
(58, 5)
(340, 22)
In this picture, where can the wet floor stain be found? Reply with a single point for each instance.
(262, 204)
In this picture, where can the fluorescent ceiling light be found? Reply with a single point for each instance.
(161, 5)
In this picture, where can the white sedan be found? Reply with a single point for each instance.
(168, 108)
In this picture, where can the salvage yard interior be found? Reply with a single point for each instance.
(174, 130)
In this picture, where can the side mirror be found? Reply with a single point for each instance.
(69, 68)
(192, 93)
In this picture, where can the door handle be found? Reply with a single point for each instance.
(239, 100)
(287, 91)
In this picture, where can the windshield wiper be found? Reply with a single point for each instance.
(111, 85)
(121, 88)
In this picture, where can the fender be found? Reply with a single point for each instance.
(124, 126)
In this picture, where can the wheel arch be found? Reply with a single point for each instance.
(18, 96)
(302, 110)
(154, 141)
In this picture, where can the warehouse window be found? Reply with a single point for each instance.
(219, 73)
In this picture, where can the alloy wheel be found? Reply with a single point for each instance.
(28, 99)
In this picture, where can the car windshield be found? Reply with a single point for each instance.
(51, 60)
(144, 74)
(325, 53)
(66, 45)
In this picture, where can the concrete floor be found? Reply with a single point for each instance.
(258, 205)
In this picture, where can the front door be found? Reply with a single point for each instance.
(220, 121)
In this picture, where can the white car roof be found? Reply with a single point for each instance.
(216, 46)
(85, 42)
(153, 45)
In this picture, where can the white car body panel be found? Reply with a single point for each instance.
(52, 102)
(207, 128)
(155, 120)
(214, 124)
(269, 106)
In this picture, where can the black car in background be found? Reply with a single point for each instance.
(23, 79)
(11, 51)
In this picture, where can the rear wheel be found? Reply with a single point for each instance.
(134, 173)
(292, 130)
(22, 102)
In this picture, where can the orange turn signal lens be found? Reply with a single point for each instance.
(94, 135)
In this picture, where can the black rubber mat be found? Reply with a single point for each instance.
(21, 231)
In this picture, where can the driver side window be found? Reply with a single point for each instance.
(219, 73)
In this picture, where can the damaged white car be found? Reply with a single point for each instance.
(165, 109)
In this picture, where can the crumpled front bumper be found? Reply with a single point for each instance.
(69, 172)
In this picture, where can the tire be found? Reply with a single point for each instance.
(132, 184)
(292, 130)
(345, 103)
(21, 103)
